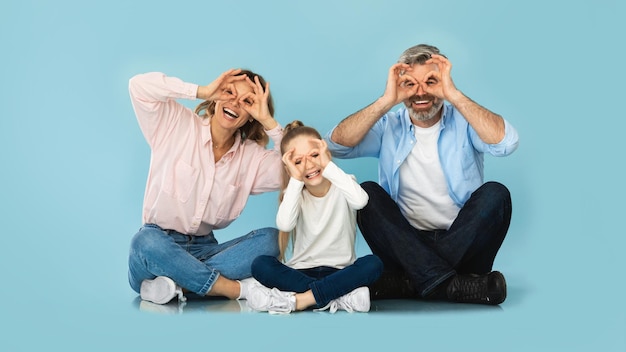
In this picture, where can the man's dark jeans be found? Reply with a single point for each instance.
(428, 258)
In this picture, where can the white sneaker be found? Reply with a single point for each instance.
(358, 300)
(160, 290)
(274, 301)
(247, 285)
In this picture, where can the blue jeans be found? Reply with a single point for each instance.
(326, 283)
(428, 258)
(195, 262)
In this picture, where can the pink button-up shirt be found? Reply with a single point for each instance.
(187, 190)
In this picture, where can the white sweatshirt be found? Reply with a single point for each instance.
(325, 226)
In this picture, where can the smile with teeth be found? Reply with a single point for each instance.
(312, 174)
(420, 102)
(230, 113)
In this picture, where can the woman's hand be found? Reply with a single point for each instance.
(222, 88)
(255, 103)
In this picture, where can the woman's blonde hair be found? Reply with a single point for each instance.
(251, 130)
(291, 131)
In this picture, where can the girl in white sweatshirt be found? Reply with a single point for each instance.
(318, 214)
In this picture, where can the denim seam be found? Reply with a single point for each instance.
(437, 282)
(209, 283)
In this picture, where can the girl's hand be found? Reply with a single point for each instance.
(290, 165)
(324, 154)
(222, 88)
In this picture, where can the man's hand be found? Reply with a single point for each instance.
(399, 86)
(439, 82)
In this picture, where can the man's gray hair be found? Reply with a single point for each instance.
(418, 54)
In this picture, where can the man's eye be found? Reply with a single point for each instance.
(315, 155)
(430, 82)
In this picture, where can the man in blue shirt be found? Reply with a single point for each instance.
(434, 223)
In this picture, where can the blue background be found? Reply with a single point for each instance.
(74, 162)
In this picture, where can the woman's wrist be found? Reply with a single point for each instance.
(269, 123)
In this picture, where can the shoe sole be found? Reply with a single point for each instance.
(503, 280)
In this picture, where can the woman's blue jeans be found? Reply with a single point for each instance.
(195, 262)
(428, 258)
(326, 283)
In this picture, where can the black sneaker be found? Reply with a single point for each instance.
(392, 285)
(484, 289)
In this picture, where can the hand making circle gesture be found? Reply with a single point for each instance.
(223, 87)
(399, 85)
(439, 83)
(255, 103)
(321, 155)
(290, 164)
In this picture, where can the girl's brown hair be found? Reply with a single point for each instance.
(291, 131)
(251, 130)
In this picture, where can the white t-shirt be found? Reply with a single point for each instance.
(325, 226)
(423, 195)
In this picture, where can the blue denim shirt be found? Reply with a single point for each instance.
(460, 150)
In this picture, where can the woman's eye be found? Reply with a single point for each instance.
(248, 101)
(297, 162)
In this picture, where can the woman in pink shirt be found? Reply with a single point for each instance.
(204, 164)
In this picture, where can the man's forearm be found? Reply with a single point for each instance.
(353, 128)
(488, 125)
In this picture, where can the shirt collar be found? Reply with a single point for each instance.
(206, 135)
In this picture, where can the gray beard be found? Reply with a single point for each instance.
(425, 115)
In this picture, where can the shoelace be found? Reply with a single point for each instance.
(278, 302)
(181, 296)
(335, 305)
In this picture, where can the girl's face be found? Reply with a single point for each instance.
(306, 159)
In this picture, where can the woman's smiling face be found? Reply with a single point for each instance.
(230, 113)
